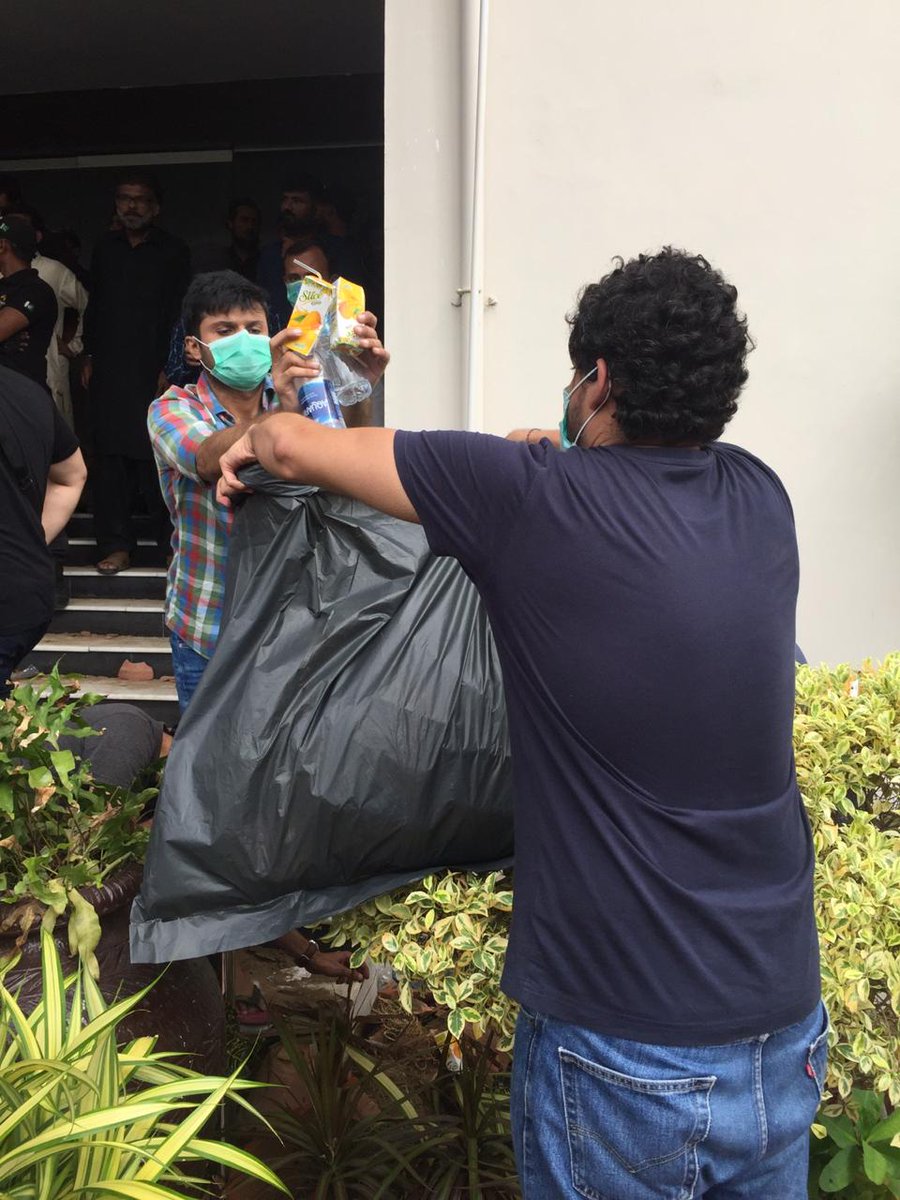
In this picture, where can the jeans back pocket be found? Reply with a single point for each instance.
(632, 1138)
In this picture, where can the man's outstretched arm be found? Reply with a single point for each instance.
(351, 462)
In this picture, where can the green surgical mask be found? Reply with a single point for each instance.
(240, 361)
(565, 442)
(293, 290)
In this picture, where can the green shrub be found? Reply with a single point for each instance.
(847, 743)
(61, 829)
(449, 933)
(852, 1154)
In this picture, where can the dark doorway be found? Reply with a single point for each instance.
(220, 100)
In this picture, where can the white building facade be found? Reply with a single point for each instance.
(758, 135)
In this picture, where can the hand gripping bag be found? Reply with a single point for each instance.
(348, 737)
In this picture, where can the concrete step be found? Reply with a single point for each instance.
(156, 697)
(137, 583)
(100, 653)
(83, 551)
(81, 524)
(109, 614)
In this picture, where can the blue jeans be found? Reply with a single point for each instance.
(189, 667)
(611, 1119)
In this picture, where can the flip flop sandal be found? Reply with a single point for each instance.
(105, 568)
(251, 1011)
(23, 673)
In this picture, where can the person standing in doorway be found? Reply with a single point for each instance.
(138, 275)
(242, 252)
(28, 308)
(71, 299)
(297, 219)
(641, 581)
(34, 314)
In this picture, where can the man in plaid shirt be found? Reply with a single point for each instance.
(227, 336)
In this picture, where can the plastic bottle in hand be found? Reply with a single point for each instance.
(340, 384)
(316, 399)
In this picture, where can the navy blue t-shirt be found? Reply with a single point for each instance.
(642, 601)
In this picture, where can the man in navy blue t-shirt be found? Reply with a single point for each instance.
(641, 587)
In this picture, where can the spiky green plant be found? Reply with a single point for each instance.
(337, 1148)
(81, 1116)
(475, 1158)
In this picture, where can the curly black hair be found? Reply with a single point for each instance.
(674, 343)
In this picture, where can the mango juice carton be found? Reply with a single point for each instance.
(308, 316)
(349, 304)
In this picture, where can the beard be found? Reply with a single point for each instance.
(135, 223)
(293, 226)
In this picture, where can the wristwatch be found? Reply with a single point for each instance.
(305, 959)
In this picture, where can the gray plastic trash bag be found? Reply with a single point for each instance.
(349, 735)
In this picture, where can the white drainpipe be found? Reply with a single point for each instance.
(474, 415)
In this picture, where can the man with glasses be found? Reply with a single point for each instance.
(139, 274)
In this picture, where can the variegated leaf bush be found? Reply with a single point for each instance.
(447, 935)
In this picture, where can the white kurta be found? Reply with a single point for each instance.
(69, 294)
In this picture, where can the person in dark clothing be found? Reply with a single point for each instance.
(128, 741)
(41, 477)
(30, 348)
(298, 218)
(139, 274)
(28, 307)
(641, 580)
(242, 252)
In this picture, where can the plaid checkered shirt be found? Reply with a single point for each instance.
(178, 422)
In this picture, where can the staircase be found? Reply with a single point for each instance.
(111, 618)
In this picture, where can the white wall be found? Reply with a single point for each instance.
(760, 135)
(424, 136)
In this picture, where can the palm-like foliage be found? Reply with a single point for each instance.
(457, 1145)
(81, 1116)
(337, 1148)
(475, 1158)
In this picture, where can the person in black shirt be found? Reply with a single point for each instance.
(28, 308)
(41, 477)
(640, 577)
(129, 742)
(242, 252)
(139, 274)
(298, 218)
